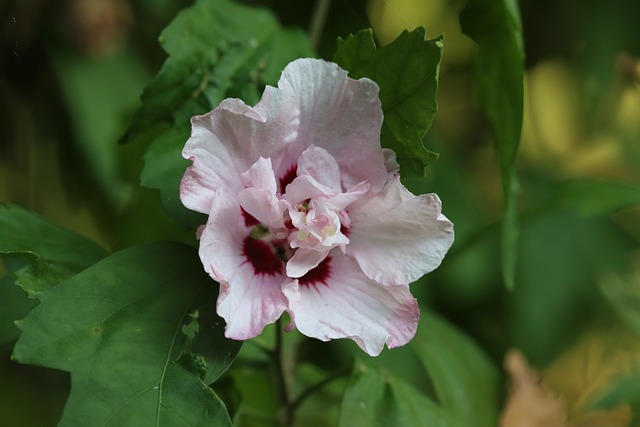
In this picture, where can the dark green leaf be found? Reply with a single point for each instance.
(374, 398)
(123, 338)
(495, 26)
(216, 49)
(407, 73)
(209, 343)
(42, 254)
(466, 382)
(14, 305)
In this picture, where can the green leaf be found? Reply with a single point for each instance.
(598, 197)
(624, 297)
(42, 254)
(624, 390)
(15, 305)
(164, 167)
(466, 382)
(209, 343)
(216, 49)
(496, 27)
(563, 255)
(374, 398)
(116, 81)
(407, 73)
(123, 340)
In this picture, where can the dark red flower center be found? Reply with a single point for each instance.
(318, 275)
(261, 256)
(288, 177)
(249, 220)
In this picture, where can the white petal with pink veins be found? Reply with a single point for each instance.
(341, 302)
(396, 237)
(250, 277)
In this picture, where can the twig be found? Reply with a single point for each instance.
(317, 21)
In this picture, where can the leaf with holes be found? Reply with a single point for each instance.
(119, 328)
(407, 73)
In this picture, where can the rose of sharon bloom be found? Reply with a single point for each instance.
(307, 213)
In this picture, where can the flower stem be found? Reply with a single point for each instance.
(283, 363)
(317, 21)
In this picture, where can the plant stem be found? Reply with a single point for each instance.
(317, 386)
(317, 21)
(283, 376)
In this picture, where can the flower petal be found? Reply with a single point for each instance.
(339, 114)
(264, 207)
(346, 304)
(259, 198)
(321, 166)
(396, 237)
(250, 287)
(260, 175)
(306, 187)
(227, 141)
(304, 260)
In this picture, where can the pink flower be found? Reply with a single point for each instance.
(307, 213)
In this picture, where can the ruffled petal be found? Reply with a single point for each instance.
(396, 237)
(227, 141)
(339, 114)
(250, 287)
(341, 302)
(315, 104)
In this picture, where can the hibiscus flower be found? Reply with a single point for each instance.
(307, 213)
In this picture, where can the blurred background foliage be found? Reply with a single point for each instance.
(71, 72)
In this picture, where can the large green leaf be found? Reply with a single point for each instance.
(407, 73)
(466, 385)
(39, 253)
(374, 398)
(119, 328)
(216, 49)
(465, 381)
(495, 26)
